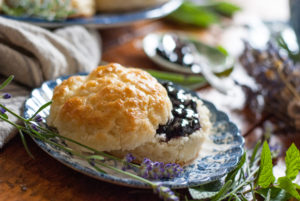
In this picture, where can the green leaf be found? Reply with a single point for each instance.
(287, 184)
(6, 82)
(223, 50)
(243, 198)
(203, 15)
(40, 109)
(292, 160)
(25, 144)
(268, 195)
(12, 11)
(297, 186)
(205, 191)
(236, 197)
(99, 169)
(225, 8)
(223, 190)
(4, 115)
(178, 77)
(266, 176)
(254, 153)
(295, 56)
(48, 10)
(96, 157)
(276, 194)
(232, 174)
(191, 14)
(225, 73)
(200, 194)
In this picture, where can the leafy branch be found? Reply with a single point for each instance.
(254, 177)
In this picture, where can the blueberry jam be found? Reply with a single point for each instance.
(176, 50)
(185, 116)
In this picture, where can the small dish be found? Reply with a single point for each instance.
(220, 153)
(211, 62)
(216, 59)
(108, 20)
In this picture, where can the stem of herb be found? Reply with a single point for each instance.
(241, 184)
(69, 150)
(14, 114)
(11, 123)
(127, 173)
(25, 144)
(251, 184)
(24, 129)
(84, 146)
(39, 110)
(257, 188)
(236, 197)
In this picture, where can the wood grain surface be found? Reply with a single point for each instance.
(44, 179)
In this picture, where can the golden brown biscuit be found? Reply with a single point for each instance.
(113, 108)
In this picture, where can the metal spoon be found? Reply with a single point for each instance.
(200, 62)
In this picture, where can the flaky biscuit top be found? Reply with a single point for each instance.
(113, 108)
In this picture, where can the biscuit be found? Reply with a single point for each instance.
(181, 150)
(113, 108)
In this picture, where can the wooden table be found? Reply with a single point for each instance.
(45, 179)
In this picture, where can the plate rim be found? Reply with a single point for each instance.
(125, 181)
(107, 20)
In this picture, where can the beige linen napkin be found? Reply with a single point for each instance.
(33, 55)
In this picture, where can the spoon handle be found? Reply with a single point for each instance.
(222, 85)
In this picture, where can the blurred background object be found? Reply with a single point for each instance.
(295, 17)
(203, 13)
(91, 13)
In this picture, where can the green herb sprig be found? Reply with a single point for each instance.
(249, 181)
(44, 9)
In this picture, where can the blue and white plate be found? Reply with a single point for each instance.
(219, 155)
(108, 19)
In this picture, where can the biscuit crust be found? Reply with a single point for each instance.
(113, 108)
